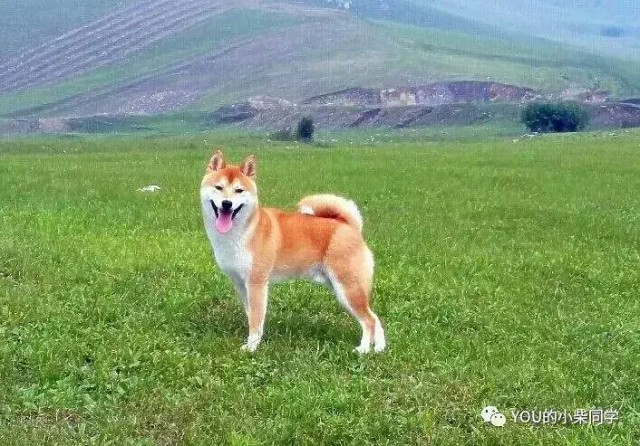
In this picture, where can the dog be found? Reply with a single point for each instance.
(255, 246)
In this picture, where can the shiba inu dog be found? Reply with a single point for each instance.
(255, 246)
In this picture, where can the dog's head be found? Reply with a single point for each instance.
(228, 193)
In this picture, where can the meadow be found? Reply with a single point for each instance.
(507, 274)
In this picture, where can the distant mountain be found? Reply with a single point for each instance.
(151, 56)
(606, 26)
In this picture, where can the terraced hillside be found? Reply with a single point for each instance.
(104, 41)
(29, 24)
(154, 56)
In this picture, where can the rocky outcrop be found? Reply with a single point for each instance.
(339, 117)
(332, 117)
(341, 110)
(455, 93)
(241, 111)
(581, 94)
(440, 93)
(615, 115)
(349, 97)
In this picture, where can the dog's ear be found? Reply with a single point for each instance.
(248, 167)
(216, 162)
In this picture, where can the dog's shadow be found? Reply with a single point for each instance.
(216, 318)
(319, 324)
(318, 321)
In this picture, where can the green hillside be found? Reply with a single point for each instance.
(30, 23)
(210, 36)
(235, 50)
(605, 27)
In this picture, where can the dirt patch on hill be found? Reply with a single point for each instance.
(439, 93)
(441, 104)
(285, 116)
(241, 111)
(616, 115)
(350, 97)
(339, 117)
(332, 117)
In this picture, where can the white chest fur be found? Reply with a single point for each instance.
(232, 255)
(230, 249)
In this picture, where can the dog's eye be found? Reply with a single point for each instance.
(218, 187)
(239, 190)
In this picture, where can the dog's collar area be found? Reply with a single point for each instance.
(217, 212)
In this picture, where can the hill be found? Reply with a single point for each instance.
(608, 27)
(156, 56)
(605, 26)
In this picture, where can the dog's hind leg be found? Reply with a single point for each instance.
(351, 280)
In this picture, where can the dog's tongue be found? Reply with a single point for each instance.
(224, 222)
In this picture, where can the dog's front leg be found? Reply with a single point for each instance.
(241, 289)
(257, 294)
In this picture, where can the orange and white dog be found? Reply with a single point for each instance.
(255, 246)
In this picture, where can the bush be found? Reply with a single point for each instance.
(305, 129)
(612, 31)
(560, 117)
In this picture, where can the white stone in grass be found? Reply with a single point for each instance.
(150, 188)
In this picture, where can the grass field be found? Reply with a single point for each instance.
(507, 275)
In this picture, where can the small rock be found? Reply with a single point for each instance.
(150, 188)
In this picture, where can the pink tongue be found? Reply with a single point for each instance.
(223, 222)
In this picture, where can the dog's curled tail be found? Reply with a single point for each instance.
(332, 206)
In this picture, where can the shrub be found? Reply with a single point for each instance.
(559, 117)
(612, 31)
(305, 129)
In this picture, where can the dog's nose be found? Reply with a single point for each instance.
(226, 205)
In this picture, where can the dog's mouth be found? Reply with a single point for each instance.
(224, 217)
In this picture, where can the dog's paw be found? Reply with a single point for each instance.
(248, 348)
(362, 349)
(251, 345)
(379, 347)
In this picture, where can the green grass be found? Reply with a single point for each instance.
(507, 274)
